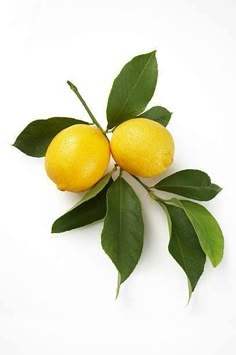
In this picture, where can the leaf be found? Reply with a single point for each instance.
(190, 183)
(207, 229)
(158, 114)
(36, 137)
(91, 208)
(122, 235)
(184, 245)
(132, 89)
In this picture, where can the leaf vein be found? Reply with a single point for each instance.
(135, 85)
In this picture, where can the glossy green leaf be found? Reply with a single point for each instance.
(184, 245)
(207, 229)
(132, 89)
(36, 137)
(90, 209)
(122, 235)
(158, 114)
(194, 184)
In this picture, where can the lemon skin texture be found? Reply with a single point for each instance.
(77, 157)
(142, 147)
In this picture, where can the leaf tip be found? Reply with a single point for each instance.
(190, 292)
(215, 262)
(118, 285)
(54, 228)
(15, 145)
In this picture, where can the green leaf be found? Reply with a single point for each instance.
(122, 235)
(207, 229)
(184, 245)
(190, 183)
(36, 137)
(158, 114)
(132, 89)
(91, 208)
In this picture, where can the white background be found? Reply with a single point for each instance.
(57, 292)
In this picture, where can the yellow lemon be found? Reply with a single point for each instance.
(77, 157)
(142, 147)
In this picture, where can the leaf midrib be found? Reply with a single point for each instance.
(120, 217)
(200, 230)
(135, 85)
(182, 254)
(188, 186)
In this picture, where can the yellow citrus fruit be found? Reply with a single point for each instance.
(142, 147)
(77, 157)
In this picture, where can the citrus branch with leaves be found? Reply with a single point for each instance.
(194, 233)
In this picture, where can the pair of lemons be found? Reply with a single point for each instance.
(79, 155)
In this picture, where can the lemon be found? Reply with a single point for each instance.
(77, 157)
(142, 147)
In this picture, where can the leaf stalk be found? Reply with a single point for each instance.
(147, 188)
(75, 90)
(151, 193)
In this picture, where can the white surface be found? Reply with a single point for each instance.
(57, 293)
